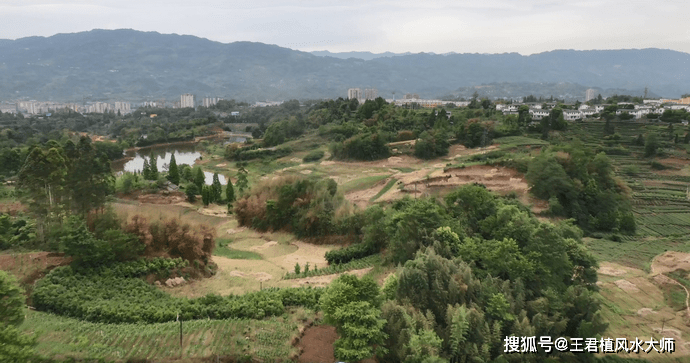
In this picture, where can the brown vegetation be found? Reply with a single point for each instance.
(172, 238)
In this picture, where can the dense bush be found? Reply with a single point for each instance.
(584, 186)
(235, 153)
(370, 146)
(111, 295)
(431, 144)
(307, 207)
(315, 155)
(345, 255)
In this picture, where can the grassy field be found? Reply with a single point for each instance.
(362, 183)
(268, 340)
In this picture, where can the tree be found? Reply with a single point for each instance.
(206, 195)
(216, 190)
(191, 192)
(173, 171)
(11, 300)
(242, 182)
(609, 129)
(651, 145)
(199, 178)
(353, 306)
(153, 164)
(229, 192)
(83, 246)
(15, 346)
(146, 170)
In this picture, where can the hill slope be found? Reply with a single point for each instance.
(132, 65)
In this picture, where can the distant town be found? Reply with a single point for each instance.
(538, 109)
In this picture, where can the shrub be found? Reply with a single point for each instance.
(345, 255)
(315, 155)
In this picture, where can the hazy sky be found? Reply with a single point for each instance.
(481, 26)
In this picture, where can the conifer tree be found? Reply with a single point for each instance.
(199, 178)
(205, 195)
(153, 164)
(216, 189)
(173, 171)
(229, 192)
(146, 171)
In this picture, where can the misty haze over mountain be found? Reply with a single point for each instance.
(132, 65)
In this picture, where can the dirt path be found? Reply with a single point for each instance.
(317, 344)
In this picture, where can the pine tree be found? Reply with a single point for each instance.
(153, 163)
(173, 171)
(242, 182)
(205, 195)
(199, 177)
(229, 192)
(146, 172)
(216, 189)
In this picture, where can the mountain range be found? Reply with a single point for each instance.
(131, 65)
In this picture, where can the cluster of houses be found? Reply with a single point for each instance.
(537, 111)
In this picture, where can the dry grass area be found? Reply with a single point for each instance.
(437, 180)
(634, 303)
(670, 261)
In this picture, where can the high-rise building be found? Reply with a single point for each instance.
(590, 94)
(370, 94)
(98, 107)
(210, 101)
(187, 100)
(123, 107)
(354, 93)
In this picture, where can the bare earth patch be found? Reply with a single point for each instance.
(306, 253)
(214, 210)
(612, 269)
(670, 261)
(626, 285)
(263, 246)
(317, 344)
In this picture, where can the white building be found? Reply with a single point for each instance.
(187, 100)
(210, 101)
(572, 115)
(98, 107)
(370, 94)
(590, 94)
(538, 114)
(354, 93)
(123, 107)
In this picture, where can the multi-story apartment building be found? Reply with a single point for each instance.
(354, 93)
(187, 100)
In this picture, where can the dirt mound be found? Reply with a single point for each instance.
(214, 210)
(263, 246)
(236, 230)
(670, 261)
(317, 344)
(645, 311)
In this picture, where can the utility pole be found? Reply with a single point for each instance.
(180, 320)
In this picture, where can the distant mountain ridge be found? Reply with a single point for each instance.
(132, 65)
(360, 55)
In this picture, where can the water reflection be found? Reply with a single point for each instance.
(184, 155)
